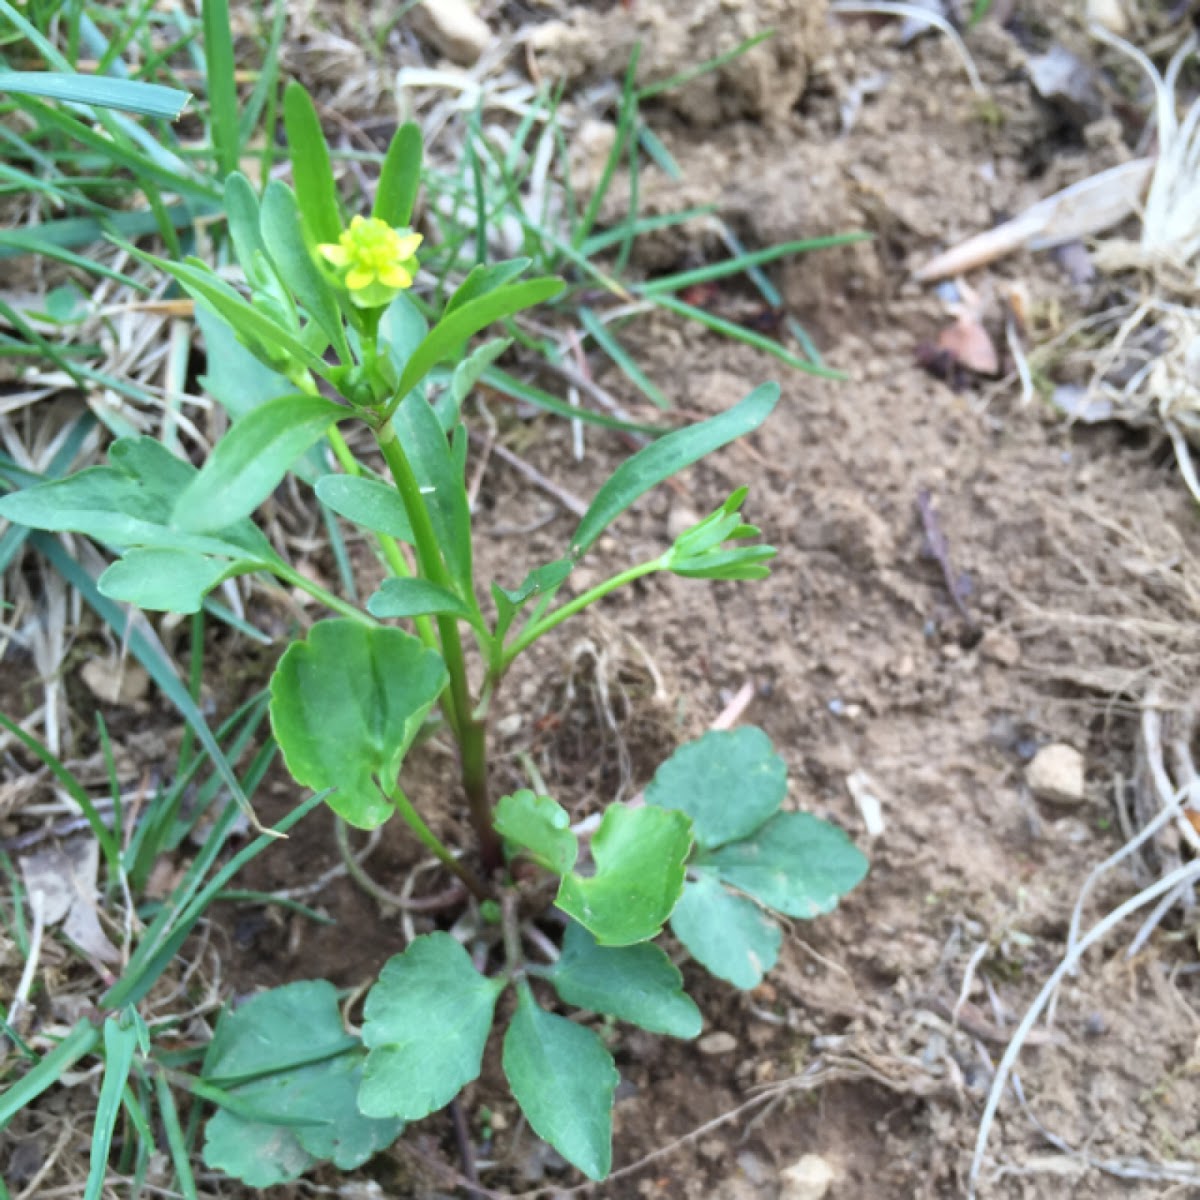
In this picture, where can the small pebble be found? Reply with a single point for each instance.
(717, 1043)
(808, 1179)
(1057, 773)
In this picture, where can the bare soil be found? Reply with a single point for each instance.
(1072, 559)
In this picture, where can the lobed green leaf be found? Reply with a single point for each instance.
(564, 1080)
(426, 1022)
(251, 460)
(639, 855)
(346, 704)
(726, 934)
(541, 827)
(728, 782)
(796, 864)
(638, 984)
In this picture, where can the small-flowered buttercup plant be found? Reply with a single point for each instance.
(331, 334)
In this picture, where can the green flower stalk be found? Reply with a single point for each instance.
(378, 261)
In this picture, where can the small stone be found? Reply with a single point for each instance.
(510, 726)
(454, 29)
(1057, 773)
(717, 1043)
(1000, 648)
(114, 682)
(1109, 13)
(808, 1179)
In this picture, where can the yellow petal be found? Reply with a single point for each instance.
(406, 246)
(357, 220)
(338, 256)
(359, 278)
(395, 276)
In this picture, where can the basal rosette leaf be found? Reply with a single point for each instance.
(639, 855)
(346, 704)
(725, 933)
(638, 984)
(796, 864)
(290, 1075)
(728, 781)
(539, 826)
(425, 1022)
(564, 1080)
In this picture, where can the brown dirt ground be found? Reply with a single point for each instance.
(1078, 545)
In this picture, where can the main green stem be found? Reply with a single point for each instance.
(471, 732)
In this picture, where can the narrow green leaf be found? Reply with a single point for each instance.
(311, 171)
(448, 335)
(272, 342)
(400, 177)
(638, 984)
(728, 781)
(167, 580)
(726, 934)
(622, 359)
(442, 485)
(220, 81)
(242, 214)
(414, 598)
(796, 864)
(129, 503)
(283, 233)
(509, 385)
(237, 379)
(367, 502)
(120, 1044)
(539, 826)
(640, 855)
(426, 1022)
(748, 337)
(564, 1080)
(483, 278)
(346, 704)
(104, 91)
(666, 457)
(744, 262)
(249, 462)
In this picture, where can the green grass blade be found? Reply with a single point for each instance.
(158, 668)
(83, 231)
(148, 99)
(746, 336)
(712, 64)
(634, 229)
(137, 986)
(176, 1142)
(626, 121)
(72, 787)
(622, 359)
(48, 349)
(743, 262)
(120, 1042)
(82, 1039)
(219, 65)
(509, 385)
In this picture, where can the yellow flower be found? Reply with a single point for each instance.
(378, 261)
